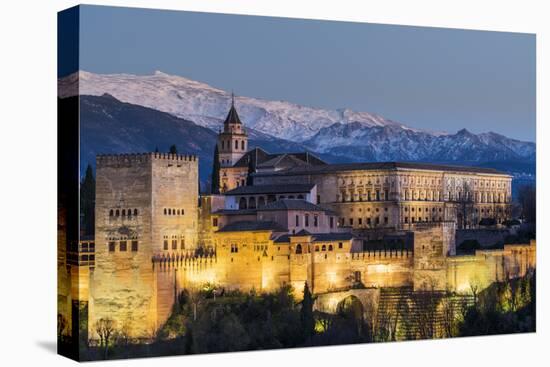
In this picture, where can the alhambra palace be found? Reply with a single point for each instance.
(278, 219)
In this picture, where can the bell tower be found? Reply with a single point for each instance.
(233, 141)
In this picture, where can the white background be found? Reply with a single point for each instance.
(28, 181)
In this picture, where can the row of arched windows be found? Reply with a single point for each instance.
(318, 248)
(123, 212)
(171, 211)
(227, 144)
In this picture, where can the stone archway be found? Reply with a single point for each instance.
(351, 305)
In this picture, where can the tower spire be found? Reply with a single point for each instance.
(232, 99)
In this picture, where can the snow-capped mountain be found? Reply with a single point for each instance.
(207, 106)
(387, 143)
(341, 134)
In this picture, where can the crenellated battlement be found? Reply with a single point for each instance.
(128, 158)
(183, 259)
(388, 254)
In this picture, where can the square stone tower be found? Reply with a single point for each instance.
(146, 206)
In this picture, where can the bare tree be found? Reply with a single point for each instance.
(465, 205)
(105, 329)
(425, 304)
(448, 310)
(61, 325)
(527, 197)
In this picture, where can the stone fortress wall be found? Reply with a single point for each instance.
(149, 224)
(146, 206)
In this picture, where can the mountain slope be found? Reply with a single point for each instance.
(109, 126)
(357, 142)
(207, 106)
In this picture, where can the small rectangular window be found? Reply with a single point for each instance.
(385, 220)
(182, 244)
(315, 221)
(331, 221)
(351, 221)
(134, 246)
(174, 244)
(297, 220)
(215, 222)
(166, 244)
(340, 245)
(122, 245)
(111, 247)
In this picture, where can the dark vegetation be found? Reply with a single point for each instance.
(213, 320)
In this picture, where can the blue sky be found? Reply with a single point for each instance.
(432, 78)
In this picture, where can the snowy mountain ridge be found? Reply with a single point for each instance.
(207, 106)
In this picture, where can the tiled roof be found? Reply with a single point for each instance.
(260, 158)
(235, 211)
(317, 237)
(323, 237)
(256, 155)
(378, 166)
(232, 116)
(271, 189)
(292, 204)
(253, 225)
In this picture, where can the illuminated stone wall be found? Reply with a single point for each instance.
(146, 206)
(488, 266)
(402, 197)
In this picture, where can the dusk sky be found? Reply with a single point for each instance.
(430, 78)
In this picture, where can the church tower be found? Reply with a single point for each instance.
(233, 141)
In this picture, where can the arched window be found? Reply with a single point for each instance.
(242, 203)
(123, 212)
(165, 211)
(178, 212)
(298, 249)
(300, 196)
(330, 247)
(129, 212)
(316, 248)
(117, 213)
(252, 203)
(111, 213)
(236, 144)
(169, 211)
(135, 212)
(324, 248)
(182, 212)
(242, 144)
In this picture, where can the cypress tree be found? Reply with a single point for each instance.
(251, 170)
(306, 313)
(216, 172)
(173, 149)
(87, 201)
